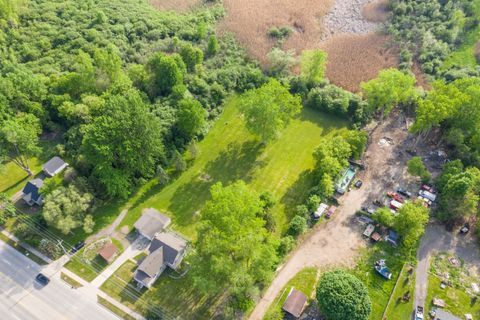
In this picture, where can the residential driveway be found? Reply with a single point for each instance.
(22, 298)
(437, 239)
(130, 252)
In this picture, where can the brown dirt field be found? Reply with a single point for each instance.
(250, 21)
(376, 11)
(177, 5)
(356, 58)
(421, 78)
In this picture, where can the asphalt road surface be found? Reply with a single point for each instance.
(24, 299)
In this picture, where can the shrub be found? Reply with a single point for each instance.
(297, 226)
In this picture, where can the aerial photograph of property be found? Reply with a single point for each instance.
(240, 159)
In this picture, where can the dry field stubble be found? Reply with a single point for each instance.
(376, 11)
(250, 21)
(356, 58)
(177, 5)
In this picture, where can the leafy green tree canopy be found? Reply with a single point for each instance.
(19, 140)
(390, 88)
(269, 109)
(191, 117)
(342, 296)
(233, 247)
(66, 208)
(313, 66)
(125, 142)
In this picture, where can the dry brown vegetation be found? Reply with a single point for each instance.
(376, 11)
(177, 5)
(477, 52)
(250, 21)
(356, 58)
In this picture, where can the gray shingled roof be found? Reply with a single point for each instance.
(151, 222)
(151, 265)
(172, 244)
(54, 164)
(295, 303)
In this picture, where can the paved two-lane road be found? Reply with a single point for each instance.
(21, 298)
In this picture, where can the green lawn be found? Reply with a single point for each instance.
(229, 153)
(457, 300)
(399, 309)
(379, 288)
(72, 282)
(13, 178)
(303, 281)
(464, 55)
(89, 266)
(119, 312)
(174, 296)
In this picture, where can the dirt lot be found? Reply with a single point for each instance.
(177, 5)
(356, 58)
(250, 21)
(337, 242)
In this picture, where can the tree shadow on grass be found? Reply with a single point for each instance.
(298, 192)
(238, 161)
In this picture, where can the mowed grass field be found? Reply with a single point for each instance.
(228, 153)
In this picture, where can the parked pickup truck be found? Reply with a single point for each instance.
(419, 313)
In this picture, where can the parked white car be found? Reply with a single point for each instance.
(428, 195)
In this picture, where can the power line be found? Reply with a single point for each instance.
(119, 283)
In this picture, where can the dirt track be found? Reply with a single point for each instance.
(337, 242)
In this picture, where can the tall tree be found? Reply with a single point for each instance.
(19, 140)
(191, 117)
(390, 88)
(122, 144)
(312, 66)
(66, 209)
(165, 72)
(342, 296)
(269, 109)
(234, 250)
(410, 223)
(416, 167)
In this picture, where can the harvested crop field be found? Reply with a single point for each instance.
(250, 21)
(356, 58)
(177, 5)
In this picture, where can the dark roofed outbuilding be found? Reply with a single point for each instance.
(295, 303)
(54, 166)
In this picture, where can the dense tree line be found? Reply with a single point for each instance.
(429, 29)
(125, 85)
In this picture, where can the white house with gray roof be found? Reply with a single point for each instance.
(54, 166)
(166, 249)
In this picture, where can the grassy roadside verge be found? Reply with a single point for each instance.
(22, 250)
(72, 282)
(122, 314)
(397, 308)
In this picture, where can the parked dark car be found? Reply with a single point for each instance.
(358, 184)
(42, 279)
(404, 192)
(77, 246)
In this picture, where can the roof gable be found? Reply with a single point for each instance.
(151, 222)
(32, 188)
(173, 245)
(152, 263)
